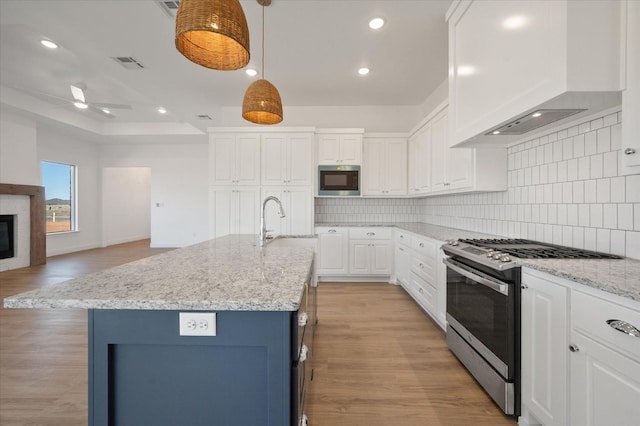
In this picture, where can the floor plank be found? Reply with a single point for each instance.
(378, 359)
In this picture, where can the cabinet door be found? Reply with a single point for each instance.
(359, 257)
(413, 162)
(439, 149)
(630, 151)
(395, 167)
(299, 211)
(381, 258)
(247, 211)
(374, 167)
(300, 160)
(402, 264)
(248, 159)
(333, 251)
(328, 149)
(605, 385)
(544, 350)
(423, 160)
(275, 224)
(221, 206)
(223, 160)
(351, 149)
(274, 156)
(460, 168)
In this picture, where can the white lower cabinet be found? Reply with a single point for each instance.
(370, 257)
(418, 271)
(576, 368)
(333, 252)
(544, 350)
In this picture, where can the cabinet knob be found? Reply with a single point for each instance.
(421, 245)
(303, 318)
(524, 286)
(304, 353)
(574, 348)
(421, 290)
(304, 421)
(629, 151)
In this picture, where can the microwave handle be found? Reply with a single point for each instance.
(485, 281)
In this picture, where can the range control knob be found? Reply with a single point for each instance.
(454, 242)
(497, 255)
(505, 258)
(490, 253)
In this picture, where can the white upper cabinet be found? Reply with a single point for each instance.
(234, 210)
(340, 148)
(631, 95)
(297, 203)
(287, 159)
(385, 166)
(509, 58)
(235, 159)
(419, 159)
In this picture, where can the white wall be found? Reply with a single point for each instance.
(179, 176)
(126, 204)
(59, 146)
(18, 142)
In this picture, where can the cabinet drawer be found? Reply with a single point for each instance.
(371, 233)
(403, 237)
(425, 293)
(589, 316)
(427, 249)
(425, 269)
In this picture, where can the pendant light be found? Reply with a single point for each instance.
(213, 33)
(262, 103)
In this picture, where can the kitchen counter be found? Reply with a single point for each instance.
(617, 276)
(230, 273)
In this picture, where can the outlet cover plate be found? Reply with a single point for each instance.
(197, 323)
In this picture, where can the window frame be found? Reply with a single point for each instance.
(73, 207)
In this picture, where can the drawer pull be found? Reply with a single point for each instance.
(304, 353)
(421, 244)
(574, 348)
(303, 318)
(371, 234)
(402, 236)
(331, 231)
(623, 327)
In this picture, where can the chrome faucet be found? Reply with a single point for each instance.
(263, 225)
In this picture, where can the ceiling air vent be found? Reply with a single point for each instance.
(204, 117)
(129, 62)
(532, 121)
(170, 7)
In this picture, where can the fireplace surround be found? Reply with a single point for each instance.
(37, 225)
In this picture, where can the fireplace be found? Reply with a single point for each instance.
(7, 236)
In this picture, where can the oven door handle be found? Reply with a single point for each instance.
(485, 281)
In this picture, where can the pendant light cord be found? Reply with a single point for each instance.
(263, 42)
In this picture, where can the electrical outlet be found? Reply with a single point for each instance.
(197, 324)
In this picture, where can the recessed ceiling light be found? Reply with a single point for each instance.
(536, 114)
(80, 105)
(106, 110)
(496, 132)
(376, 23)
(161, 110)
(363, 71)
(251, 72)
(48, 44)
(514, 22)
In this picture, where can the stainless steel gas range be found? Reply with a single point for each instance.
(483, 308)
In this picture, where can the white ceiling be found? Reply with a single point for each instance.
(313, 49)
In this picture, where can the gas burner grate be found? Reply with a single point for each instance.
(527, 249)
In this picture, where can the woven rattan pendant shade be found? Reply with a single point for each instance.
(262, 104)
(213, 33)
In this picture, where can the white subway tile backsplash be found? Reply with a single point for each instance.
(596, 166)
(567, 149)
(603, 237)
(597, 123)
(562, 171)
(604, 140)
(553, 172)
(590, 191)
(632, 189)
(610, 164)
(618, 242)
(603, 194)
(584, 218)
(610, 216)
(557, 150)
(590, 241)
(590, 143)
(584, 168)
(578, 237)
(625, 216)
(572, 214)
(572, 169)
(578, 191)
(633, 245)
(596, 215)
(616, 137)
(611, 119)
(617, 189)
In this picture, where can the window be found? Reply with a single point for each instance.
(59, 182)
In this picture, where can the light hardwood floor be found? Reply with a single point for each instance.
(378, 359)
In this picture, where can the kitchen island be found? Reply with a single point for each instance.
(143, 371)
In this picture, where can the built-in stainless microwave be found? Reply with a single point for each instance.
(339, 181)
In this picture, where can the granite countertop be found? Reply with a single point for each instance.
(230, 273)
(617, 276)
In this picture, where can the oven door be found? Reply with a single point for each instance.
(482, 310)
